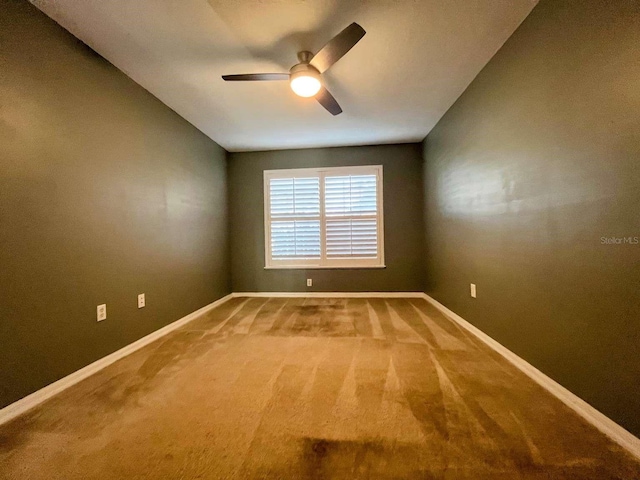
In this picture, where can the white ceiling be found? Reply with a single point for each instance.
(416, 59)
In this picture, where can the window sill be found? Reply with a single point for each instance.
(317, 267)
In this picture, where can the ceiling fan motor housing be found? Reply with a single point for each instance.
(304, 70)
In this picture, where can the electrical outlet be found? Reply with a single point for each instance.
(473, 290)
(141, 301)
(102, 312)
(309, 282)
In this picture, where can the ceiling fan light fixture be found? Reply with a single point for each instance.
(305, 80)
(305, 86)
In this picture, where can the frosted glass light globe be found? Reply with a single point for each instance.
(305, 85)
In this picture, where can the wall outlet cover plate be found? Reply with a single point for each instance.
(102, 312)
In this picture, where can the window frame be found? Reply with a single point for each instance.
(323, 262)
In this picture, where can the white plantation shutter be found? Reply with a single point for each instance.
(351, 216)
(295, 218)
(324, 218)
(295, 239)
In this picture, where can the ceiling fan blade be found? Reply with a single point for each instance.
(252, 77)
(327, 101)
(337, 47)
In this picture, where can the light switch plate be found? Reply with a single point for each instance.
(473, 290)
(141, 300)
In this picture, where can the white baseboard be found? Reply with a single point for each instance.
(331, 294)
(603, 423)
(27, 403)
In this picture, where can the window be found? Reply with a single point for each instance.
(324, 218)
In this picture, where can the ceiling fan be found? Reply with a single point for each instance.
(305, 77)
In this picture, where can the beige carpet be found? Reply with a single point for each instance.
(310, 389)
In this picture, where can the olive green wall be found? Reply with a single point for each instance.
(535, 163)
(104, 193)
(402, 187)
